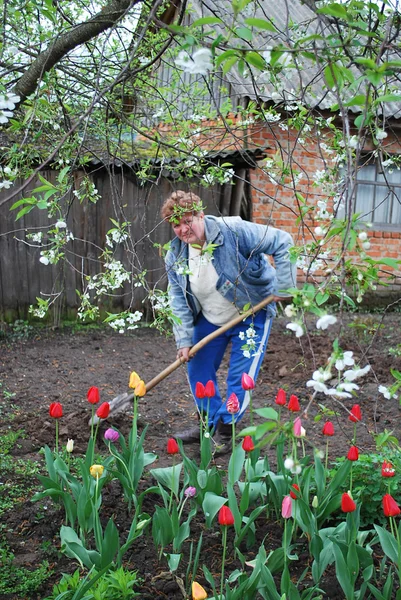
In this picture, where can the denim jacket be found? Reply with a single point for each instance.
(245, 275)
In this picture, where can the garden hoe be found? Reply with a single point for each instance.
(122, 402)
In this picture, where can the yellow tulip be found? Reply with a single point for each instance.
(134, 379)
(96, 471)
(140, 389)
(198, 592)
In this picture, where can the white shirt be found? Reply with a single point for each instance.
(203, 279)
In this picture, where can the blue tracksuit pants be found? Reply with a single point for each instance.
(204, 365)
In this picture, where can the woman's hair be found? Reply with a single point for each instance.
(179, 204)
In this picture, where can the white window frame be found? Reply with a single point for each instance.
(381, 200)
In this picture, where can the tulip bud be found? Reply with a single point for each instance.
(248, 444)
(355, 414)
(328, 428)
(233, 404)
(172, 446)
(225, 517)
(353, 453)
(96, 471)
(293, 404)
(111, 435)
(247, 382)
(315, 502)
(70, 446)
(297, 426)
(200, 390)
(210, 389)
(190, 492)
(295, 491)
(93, 395)
(286, 507)
(103, 410)
(198, 592)
(56, 410)
(347, 503)
(134, 379)
(280, 398)
(140, 389)
(390, 506)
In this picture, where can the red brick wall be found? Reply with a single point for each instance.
(278, 205)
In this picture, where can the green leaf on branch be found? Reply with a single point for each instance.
(244, 33)
(334, 10)
(260, 24)
(206, 21)
(256, 60)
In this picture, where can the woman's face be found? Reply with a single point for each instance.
(191, 228)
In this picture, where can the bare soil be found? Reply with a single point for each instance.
(61, 365)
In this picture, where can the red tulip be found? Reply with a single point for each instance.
(355, 414)
(247, 382)
(353, 453)
(233, 404)
(226, 517)
(210, 390)
(55, 410)
(293, 404)
(103, 410)
(200, 390)
(281, 398)
(248, 444)
(347, 503)
(328, 428)
(93, 395)
(172, 446)
(387, 469)
(294, 492)
(390, 506)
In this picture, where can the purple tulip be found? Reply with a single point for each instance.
(190, 492)
(111, 435)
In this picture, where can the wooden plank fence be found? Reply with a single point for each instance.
(23, 277)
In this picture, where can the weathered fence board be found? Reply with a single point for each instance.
(23, 277)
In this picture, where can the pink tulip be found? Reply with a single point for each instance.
(233, 405)
(286, 507)
(297, 428)
(247, 382)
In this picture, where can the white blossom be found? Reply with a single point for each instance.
(338, 393)
(44, 260)
(380, 134)
(290, 311)
(319, 231)
(325, 321)
(386, 392)
(297, 328)
(199, 63)
(362, 236)
(289, 463)
(6, 184)
(9, 101)
(353, 374)
(346, 361)
(348, 387)
(366, 245)
(61, 225)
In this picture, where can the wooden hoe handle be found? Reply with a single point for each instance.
(206, 340)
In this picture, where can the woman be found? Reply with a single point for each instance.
(216, 266)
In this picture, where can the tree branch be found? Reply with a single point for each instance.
(66, 42)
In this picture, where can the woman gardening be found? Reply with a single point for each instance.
(216, 266)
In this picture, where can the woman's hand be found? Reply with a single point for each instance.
(184, 353)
